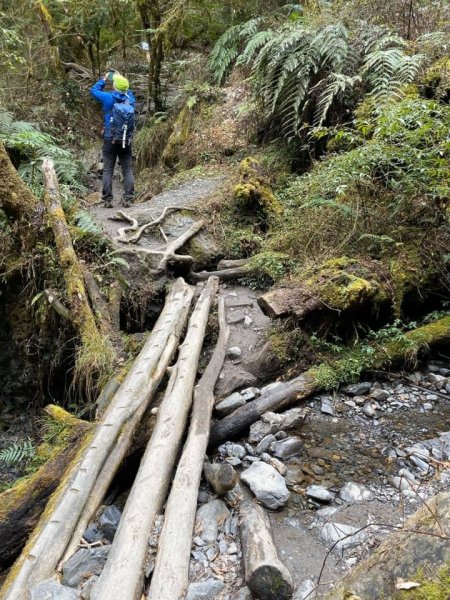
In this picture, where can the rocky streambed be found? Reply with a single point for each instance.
(336, 476)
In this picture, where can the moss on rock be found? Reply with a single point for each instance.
(253, 193)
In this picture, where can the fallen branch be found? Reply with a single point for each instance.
(328, 376)
(171, 575)
(232, 264)
(122, 576)
(42, 554)
(265, 574)
(223, 275)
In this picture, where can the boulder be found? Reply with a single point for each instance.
(354, 492)
(341, 537)
(267, 484)
(229, 404)
(84, 563)
(204, 590)
(52, 590)
(287, 447)
(220, 476)
(320, 493)
(357, 389)
(109, 522)
(209, 518)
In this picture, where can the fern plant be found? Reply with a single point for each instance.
(32, 147)
(17, 453)
(307, 77)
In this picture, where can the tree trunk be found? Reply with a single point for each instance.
(22, 505)
(265, 574)
(171, 575)
(49, 541)
(123, 574)
(328, 376)
(96, 354)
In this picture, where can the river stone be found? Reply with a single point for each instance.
(354, 492)
(258, 431)
(229, 404)
(265, 443)
(243, 594)
(341, 537)
(288, 420)
(326, 406)
(318, 492)
(267, 484)
(52, 590)
(209, 518)
(109, 522)
(236, 450)
(204, 590)
(358, 389)
(287, 447)
(221, 477)
(84, 563)
(275, 463)
(305, 591)
(235, 378)
(234, 352)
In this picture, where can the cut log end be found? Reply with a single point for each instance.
(268, 583)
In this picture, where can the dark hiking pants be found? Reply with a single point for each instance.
(110, 154)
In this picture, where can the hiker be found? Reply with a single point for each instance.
(118, 108)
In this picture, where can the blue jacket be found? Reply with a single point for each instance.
(107, 100)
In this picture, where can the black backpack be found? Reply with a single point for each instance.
(122, 123)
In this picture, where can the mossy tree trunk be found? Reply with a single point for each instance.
(96, 355)
(22, 505)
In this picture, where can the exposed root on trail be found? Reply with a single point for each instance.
(123, 216)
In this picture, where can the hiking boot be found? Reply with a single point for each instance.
(126, 203)
(108, 204)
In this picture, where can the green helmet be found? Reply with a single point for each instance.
(120, 83)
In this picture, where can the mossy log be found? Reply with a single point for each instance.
(96, 354)
(345, 285)
(329, 376)
(415, 552)
(22, 505)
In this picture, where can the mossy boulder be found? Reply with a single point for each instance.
(178, 137)
(253, 194)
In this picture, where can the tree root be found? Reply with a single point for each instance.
(123, 216)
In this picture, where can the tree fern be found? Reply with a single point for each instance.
(17, 453)
(301, 73)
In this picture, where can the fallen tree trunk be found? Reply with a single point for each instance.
(329, 376)
(344, 285)
(171, 574)
(231, 263)
(122, 576)
(265, 574)
(223, 275)
(96, 354)
(42, 554)
(22, 505)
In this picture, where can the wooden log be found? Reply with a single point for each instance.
(329, 376)
(122, 576)
(265, 574)
(96, 354)
(223, 275)
(231, 263)
(171, 574)
(22, 505)
(285, 301)
(42, 554)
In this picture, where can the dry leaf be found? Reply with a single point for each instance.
(406, 585)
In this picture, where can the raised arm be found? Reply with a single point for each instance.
(97, 91)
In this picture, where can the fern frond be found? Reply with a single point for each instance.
(17, 453)
(255, 43)
(337, 85)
